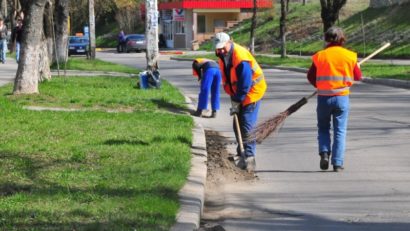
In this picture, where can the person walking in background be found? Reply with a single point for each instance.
(332, 72)
(209, 75)
(121, 41)
(16, 35)
(244, 82)
(3, 41)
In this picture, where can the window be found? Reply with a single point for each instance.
(201, 24)
(179, 27)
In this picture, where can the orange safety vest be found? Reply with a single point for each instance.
(334, 70)
(259, 86)
(201, 61)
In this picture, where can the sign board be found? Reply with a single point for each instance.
(178, 14)
(86, 31)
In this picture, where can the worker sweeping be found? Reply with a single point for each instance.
(333, 71)
(243, 80)
(209, 75)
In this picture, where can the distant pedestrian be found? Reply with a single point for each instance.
(209, 75)
(16, 36)
(333, 72)
(121, 41)
(3, 41)
(244, 82)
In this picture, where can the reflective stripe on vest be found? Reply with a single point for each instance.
(334, 70)
(258, 87)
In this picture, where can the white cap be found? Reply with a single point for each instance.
(220, 40)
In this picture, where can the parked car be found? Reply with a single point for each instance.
(78, 45)
(135, 42)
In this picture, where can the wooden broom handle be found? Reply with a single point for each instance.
(374, 53)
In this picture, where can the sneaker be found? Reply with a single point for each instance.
(250, 164)
(197, 113)
(213, 115)
(338, 168)
(324, 160)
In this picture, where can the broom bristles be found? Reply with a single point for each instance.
(265, 129)
(273, 125)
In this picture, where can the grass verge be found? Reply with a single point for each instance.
(84, 64)
(92, 170)
(369, 69)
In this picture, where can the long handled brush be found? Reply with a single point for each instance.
(274, 124)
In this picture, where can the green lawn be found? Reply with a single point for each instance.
(81, 63)
(92, 170)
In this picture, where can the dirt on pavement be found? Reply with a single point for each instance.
(221, 171)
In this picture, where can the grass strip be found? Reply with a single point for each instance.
(84, 64)
(92, 170)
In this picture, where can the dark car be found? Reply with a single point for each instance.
(135, 42)
(78, 45)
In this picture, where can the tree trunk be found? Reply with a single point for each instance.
(282, 27)
(61, 29)
(32, 57)
(151, 26)
(92, 29)
(3, 8)
(330, 12)
(253, 27)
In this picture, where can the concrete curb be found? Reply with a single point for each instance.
(192, 195)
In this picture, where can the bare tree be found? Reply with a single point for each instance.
(34, 63)
(253, 27)
(284, 7)
(330, 12)
(61, 30)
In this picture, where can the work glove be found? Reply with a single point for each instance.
(235, 108)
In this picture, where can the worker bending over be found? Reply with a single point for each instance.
(209, 75)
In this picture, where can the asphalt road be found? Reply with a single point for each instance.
(373, 193)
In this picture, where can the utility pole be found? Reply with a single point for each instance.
(151, 34)
(92, 28)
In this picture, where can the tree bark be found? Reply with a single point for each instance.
(61, 29)
(92, 28)
(330, 12)
(33, 61)
(151, 26)
(253, 27)
(282, 26)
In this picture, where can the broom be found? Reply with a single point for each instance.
(273, 125)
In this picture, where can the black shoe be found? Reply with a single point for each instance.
(324, 160)
(338, 168)
(213, 115)
(197, 113)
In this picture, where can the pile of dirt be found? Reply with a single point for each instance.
(221, 167)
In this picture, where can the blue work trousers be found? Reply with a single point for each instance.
(333, 109)
(3, 48)
(248, 116)
(210, 83)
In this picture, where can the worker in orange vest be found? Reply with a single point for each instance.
(209, 75)
(333, 71)
(244, 82)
